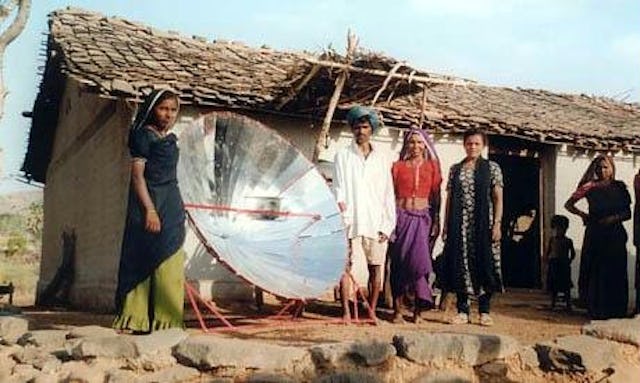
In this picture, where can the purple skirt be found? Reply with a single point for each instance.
(411, 255)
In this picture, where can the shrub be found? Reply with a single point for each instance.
(16, 244)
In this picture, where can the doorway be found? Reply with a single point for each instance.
(521, 220)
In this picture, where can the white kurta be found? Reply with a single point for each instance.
(365, 186)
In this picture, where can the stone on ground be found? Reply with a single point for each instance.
(37, 357)
(365, 353)
(442, 377)
(578, 353)
(349, 377)
(12, 327)
(76, 371)
(157, 341)
(173, 374)
(210, 352)
(49, 339)
(620, 330)
(471, 349)
(107, 347)
(263, 377)
(91, 331)
(24, 372)
(151, 362)
(117, 375)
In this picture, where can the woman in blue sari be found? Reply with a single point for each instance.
(150, 293)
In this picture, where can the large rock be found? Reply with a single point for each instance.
(619, 330)
(349, 377)
(366, 353)
(46, 377)
(116, 375)
(76, 371)
(262, 377)
(24, 373)
(528, 357)
(330, 355)
(471, 349)
(372, 353)
(12, 328)
(173, 374)
(107, 347)
(7, 360)
(158, 341)
(578, 353)
(91, 332)
(38, 358)
(49, 339)
(443, 377)
(209, 352)
(151, 362)
(494, 370)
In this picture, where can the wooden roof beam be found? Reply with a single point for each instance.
(383, 73)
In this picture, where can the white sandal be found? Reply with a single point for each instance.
(461, 318)
(486, 320)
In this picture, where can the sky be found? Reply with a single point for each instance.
(572, 46)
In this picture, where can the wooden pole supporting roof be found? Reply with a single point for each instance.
(321, 139)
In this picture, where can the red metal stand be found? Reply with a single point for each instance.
(192, 293)
(290, 314)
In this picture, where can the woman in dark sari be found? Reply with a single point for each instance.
(472, 230)
(150, 293)
(416, 179)
(603, 280)
(636, 236)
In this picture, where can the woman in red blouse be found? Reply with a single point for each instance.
(416, 178)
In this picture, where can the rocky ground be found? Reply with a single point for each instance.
(35, 349)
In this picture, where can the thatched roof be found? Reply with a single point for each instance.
(117, 58)
(579, 120)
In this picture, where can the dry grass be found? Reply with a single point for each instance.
(22, 271)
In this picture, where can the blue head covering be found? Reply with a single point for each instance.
(357, 112)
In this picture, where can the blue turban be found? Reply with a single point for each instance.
(357, 112)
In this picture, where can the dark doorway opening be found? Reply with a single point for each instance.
(521, 230)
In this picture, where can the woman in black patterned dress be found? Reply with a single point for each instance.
(472, 230)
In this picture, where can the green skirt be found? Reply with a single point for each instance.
(157, 302)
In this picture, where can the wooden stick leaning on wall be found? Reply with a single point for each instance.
(321, 139)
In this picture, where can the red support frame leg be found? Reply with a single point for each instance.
(192, 294)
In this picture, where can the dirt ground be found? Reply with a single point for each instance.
(522, 314)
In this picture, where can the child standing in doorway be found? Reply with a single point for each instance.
(558, 257)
